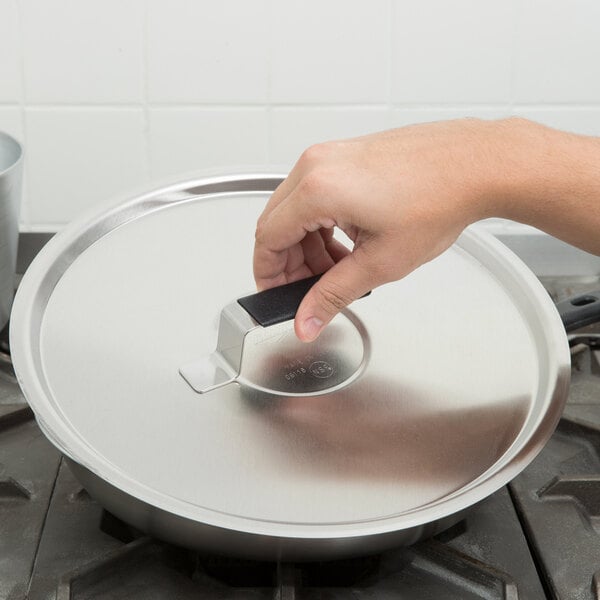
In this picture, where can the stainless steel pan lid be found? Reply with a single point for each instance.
(417, 402)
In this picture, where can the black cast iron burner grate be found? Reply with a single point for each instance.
(558, 495)
(86, 553)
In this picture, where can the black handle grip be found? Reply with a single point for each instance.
(580, 311)
(278, 304)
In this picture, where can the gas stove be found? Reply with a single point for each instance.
(538, 537)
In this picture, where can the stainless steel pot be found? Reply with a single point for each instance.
(11, 166)
(191, 410)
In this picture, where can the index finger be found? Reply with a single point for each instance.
(288, 224)
(282, 191)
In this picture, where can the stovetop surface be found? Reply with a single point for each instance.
(538, 537)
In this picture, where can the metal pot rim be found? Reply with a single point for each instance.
(18, 147)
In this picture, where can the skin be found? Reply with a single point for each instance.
(403, 197)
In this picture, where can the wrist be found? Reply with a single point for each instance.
(493, 167)
(532, 172)
(500, 170)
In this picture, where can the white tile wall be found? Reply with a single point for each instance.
(186, 139)
(557, 52)
(11, 121)
(585, 121)
(294, 129)
(79, 157)
(109, 95)
(207, 51)
(452, 52)
(332, 51)
(78, 51)
(10, 75)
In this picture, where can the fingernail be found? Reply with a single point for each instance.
(311, 328)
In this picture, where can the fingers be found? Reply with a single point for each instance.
(286, 226)
(346, 281)
(335, 249)
(311, 156)
(315, 254)
(283, 190)
(314, 156)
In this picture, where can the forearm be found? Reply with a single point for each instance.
(403, 196)
(546, 178)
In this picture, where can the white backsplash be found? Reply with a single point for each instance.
(114, 95)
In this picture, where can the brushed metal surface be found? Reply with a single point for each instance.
(464, 380)
(273, 360)
(11, 167)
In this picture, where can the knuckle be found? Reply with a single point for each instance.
(310, 183)
(316, 183)
(262, 234)
(314, 154)
(259, 231)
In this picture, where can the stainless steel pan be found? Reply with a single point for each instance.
(205, 422)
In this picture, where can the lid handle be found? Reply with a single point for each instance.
(278, 304)
(267, 308)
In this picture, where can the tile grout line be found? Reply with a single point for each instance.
(579, 106)
(145, 86)
(268, 104)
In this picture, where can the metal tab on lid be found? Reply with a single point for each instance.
(274, 360)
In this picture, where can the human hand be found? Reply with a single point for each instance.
(402, 196)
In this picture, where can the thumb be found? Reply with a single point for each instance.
(346, 281)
